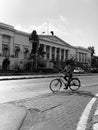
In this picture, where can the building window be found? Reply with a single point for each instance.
(5, 45)
(5, 50)
(17, 50)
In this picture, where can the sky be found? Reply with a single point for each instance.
(74, 21)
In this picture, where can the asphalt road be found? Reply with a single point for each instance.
(64, 107)
(11, 90)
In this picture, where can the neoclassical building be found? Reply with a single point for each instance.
(16, 45)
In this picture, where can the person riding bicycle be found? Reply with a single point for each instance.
(68, 70)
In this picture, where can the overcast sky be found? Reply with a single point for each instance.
(75, 21)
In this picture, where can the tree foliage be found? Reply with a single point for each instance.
(92, 49)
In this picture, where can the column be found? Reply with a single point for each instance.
(78, 56)
(60, 54)
(21, 52)
(50, 53)
(68, 54)
(44, 51)
(81, 56)
(64, 56)
(0, 44)
(12, 46)
(85, 58)
(55, 53)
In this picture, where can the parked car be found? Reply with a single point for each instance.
(78, 70)
(94, 70)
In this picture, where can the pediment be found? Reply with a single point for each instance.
(53, 39)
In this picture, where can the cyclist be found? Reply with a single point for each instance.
(68, 70)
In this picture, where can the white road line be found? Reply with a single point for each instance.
(84, 118)
(95, 125)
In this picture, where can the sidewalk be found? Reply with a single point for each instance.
(48, 113)
(11, 117)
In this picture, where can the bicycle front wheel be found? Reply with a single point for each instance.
(55, 85)
(74, 84)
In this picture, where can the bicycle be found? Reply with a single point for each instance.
(71, 82)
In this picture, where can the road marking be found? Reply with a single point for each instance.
(95, 124)
(85, 115)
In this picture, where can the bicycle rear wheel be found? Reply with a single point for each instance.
(74, 84)
(55, 85)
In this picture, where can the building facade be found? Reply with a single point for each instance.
(15, 44)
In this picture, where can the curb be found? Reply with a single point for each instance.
(38, 76)
(28, 77)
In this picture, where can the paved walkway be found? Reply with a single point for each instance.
(95, 119)
(43, 113)
(11, 117)
(52, 112)
(49, 113)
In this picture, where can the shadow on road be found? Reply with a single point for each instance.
(85, 94)
(78, 93)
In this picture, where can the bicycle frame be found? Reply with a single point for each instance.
(65, 79)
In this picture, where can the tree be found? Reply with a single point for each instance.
(5, 64)
(92, 49)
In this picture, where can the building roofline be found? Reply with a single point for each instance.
(6, 26)
(22, 33)
(11, 28)
(81, 48)
(47, 36)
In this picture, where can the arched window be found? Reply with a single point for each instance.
(17, 50)
(5, 50)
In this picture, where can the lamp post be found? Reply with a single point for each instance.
(34, 39)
